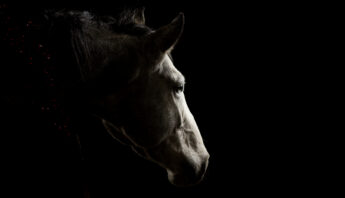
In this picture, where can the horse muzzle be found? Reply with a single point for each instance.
(189, 174)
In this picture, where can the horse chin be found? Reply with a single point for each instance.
(183, 180)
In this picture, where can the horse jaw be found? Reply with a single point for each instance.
(183, 153)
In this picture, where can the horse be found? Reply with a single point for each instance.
(120, 71)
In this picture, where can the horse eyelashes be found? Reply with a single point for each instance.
(179, 88)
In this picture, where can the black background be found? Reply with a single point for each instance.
(242, 63)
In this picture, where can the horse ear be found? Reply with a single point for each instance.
(165, 38)
(139, 16)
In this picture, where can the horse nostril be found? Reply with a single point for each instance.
(190, 174)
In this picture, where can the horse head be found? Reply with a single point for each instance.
(144, 105)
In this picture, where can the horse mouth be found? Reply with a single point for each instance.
(187, 178)
(183, 180)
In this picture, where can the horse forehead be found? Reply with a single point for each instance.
(168, 70)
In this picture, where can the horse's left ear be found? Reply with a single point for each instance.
(165, 38)
(139, 16)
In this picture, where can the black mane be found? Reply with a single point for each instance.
(123, 23)
(82, 33)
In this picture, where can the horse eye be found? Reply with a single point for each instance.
(179, 88)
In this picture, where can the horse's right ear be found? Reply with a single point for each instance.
(165, 38)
